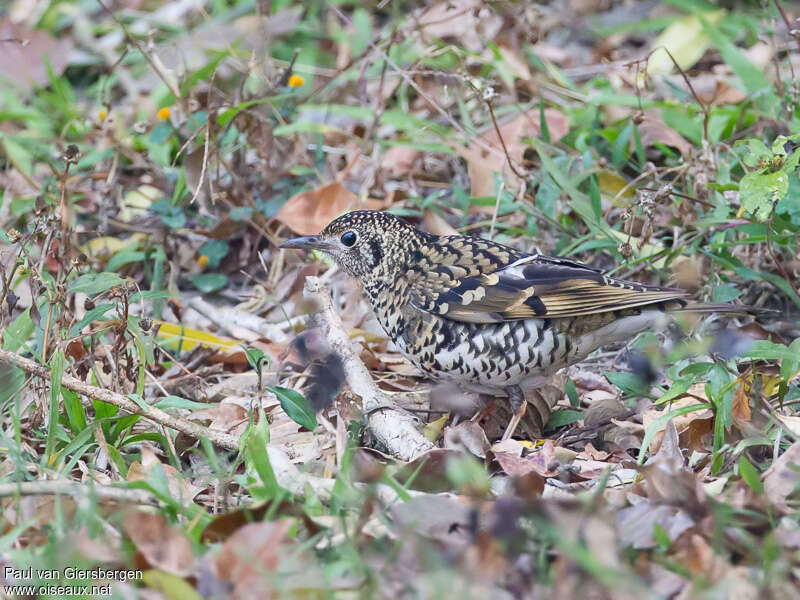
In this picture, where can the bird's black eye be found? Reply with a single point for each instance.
(348, 238)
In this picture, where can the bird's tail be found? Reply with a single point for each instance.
(736, 309)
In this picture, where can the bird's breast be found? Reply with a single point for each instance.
(486, 355)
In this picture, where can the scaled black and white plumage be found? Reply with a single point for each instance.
(483, 315)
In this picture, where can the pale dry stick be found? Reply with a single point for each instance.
(205, 155)
(75, 488)
(392, 426)
(223, 440)
(497, 206)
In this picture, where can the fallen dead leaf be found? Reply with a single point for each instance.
(398, 161)
(543, 461)
(180, 487)
(162, 546)
(483, 164)
(467, 21)
(740, 411)
(654, 129)
(686, 42)
(666, 478)
(436, 225)
(791, 423)
(307, 213)
(682, 422)
(252, 554)
(24, 51)
(782, 479)
(467, 435)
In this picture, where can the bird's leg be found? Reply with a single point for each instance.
(518, 404)
(484, 412)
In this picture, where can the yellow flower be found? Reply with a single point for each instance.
(163, 114)
(102, 114)
(202, 261)
(296, 81)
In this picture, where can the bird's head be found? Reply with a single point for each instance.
(372, 246)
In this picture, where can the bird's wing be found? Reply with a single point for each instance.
(530, 286)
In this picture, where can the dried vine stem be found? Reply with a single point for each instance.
(223, 440)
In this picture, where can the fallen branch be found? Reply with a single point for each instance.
(76, 488)
(392, 426)
(223, 440)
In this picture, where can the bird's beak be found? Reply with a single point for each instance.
(309, 242)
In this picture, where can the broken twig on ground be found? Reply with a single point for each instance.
(223, 440)
(392, 426)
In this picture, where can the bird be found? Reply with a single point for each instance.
(485, 316)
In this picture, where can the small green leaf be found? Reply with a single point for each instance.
(178, 402)
(257, 461)
(294, 405)
(559, 418)
(572, 393)
(661, 537)
(91, 315)
(16, 334)
(215, 250)
(725, 293)
(630, 383)
(209, 282)
(171, 586)
(161, 133)
(56, 364)
(255, 357)
(759, 191)
(139, 401)
(76, 415)
(750, 475)
(94, 283)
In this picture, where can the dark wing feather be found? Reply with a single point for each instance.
(527, 286)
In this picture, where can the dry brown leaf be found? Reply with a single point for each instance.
(740, 411)
(701, 560)
(162, 546)
(722, 93)
(307, 213)
(782, 478)
(467, 435)
(667, 479)
(469, 21)
(791, 423)
(483, 164)
(398, 161)
(226, 416)
(654, 129)
(252, 554)
(636, 523)
(180, 487)
(542, 462)
(682, 422)
(23, 54)
(437, 225)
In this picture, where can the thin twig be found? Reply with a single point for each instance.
(502, 141)
(75, 488)
(223, 440)
(170, 85)
(788, 23)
